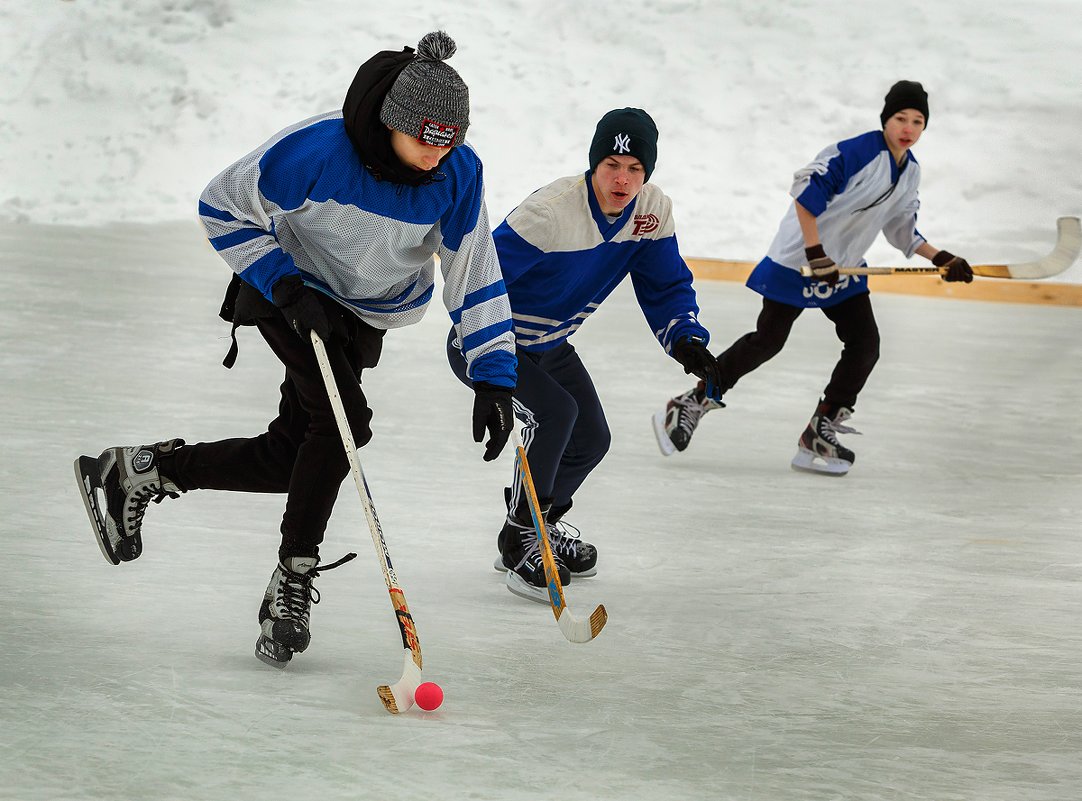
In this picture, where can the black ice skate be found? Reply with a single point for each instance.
(818, 450)
(520, 557)
(117, 487)
(579, 556)
(286, 608)
(674, 425)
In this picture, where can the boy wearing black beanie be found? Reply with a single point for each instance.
(563, 251)
(851, 192)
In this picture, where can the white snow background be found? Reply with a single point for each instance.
(122, 110)
(910, 631)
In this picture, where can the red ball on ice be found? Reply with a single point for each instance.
(429, 696)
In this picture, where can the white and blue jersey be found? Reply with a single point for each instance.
(561, 257)
(303, 203)
(855, 189)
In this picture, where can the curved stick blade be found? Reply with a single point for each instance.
(398, 697)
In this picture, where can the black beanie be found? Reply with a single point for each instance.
(904, 94)
(625, 132)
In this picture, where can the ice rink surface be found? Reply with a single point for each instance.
(910, 631)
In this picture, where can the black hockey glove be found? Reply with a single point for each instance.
(958, 269)
(822, 266)
(492, 410)
(697, 360)
(300, 306)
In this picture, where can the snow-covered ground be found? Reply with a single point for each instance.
(122, 110)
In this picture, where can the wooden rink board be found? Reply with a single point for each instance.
(993, 289)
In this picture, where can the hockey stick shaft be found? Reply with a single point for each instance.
(1064, 254)
(399, 696)
(574, 630)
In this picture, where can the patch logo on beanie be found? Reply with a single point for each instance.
(437, 134)
(622, 143)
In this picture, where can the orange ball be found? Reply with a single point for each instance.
(428, 696)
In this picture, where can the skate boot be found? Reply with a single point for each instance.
(578, 556)
(117, 487)
(818, 450)
(286, 608)
(520, 556)
(674, 425)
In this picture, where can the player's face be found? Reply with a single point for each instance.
(903, 130)
(616, 181)
(416, 154)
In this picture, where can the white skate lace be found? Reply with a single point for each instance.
(532, 556)
(562, 541)
(689, 410)
(838, 423)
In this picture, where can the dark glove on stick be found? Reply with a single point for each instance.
(492, 410)
(697, 360)
(958, 269)
(300, 306)
(822, 266)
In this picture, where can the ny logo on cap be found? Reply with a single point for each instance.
(622, 144)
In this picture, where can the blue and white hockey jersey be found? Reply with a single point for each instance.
(303, 203)
(561, 257)
(855, 189)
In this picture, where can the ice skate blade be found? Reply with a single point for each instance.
(87, 473)
(807, 462)
(664, 444)
(271, 653)
(519, 587)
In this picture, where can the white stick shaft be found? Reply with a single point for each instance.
(398, 697)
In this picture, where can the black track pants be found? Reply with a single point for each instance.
(301, 453)
(854, 323)
(565, 432)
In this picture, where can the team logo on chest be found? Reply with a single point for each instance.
(622, 144)
(645, 224)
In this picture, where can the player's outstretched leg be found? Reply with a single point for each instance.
(117, 487)
(818, 450)
(674, 425)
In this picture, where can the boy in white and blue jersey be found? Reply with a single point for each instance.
(851, 192)
(331, 227)
(562, 251)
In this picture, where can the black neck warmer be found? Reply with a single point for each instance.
(360, 113)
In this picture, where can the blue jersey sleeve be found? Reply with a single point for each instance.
(663, 287)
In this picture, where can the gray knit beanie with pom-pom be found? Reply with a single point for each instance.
(429, 101)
